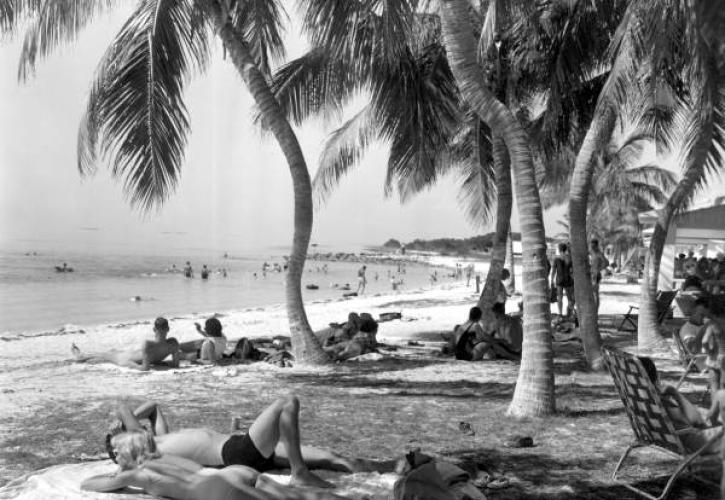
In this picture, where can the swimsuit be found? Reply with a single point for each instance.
(239, 449)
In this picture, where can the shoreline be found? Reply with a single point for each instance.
(420, 260)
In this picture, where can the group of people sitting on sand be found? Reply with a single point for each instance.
(357, 336)
(341, 342)
(202, 463)
(206, 351)
(500, 336)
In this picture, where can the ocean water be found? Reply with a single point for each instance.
(35, 298)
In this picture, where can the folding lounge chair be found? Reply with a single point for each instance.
(664, 306)
(650, 422)
(687, 359)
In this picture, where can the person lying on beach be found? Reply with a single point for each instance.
(150, 353)
(208, 350)
(271, 442)
(692, 427)
(142, 465)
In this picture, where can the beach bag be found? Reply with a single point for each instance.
(465, 344)
(421, 480)
(424, 478)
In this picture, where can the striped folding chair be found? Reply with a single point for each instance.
(651, 424)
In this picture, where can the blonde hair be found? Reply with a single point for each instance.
(133, 448)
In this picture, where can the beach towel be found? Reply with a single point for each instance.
(63, 482)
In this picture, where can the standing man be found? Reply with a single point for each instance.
(597, 262)
(188, 271)
(361, 280)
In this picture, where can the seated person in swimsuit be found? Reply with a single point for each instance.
(151, 352)
(362, 342)
(503, 339)
(337, 333)
(465, 335)
(143, 465)
(211, 348)
(272, 441)
(689, 423)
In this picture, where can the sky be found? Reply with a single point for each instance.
(235, 191)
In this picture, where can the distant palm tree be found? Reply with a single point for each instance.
(136, 119)
(678, 49)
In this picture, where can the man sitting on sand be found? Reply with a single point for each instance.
(208, 350)
(271, 442)
(151, 352)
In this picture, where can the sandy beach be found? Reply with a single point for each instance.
(54, 411)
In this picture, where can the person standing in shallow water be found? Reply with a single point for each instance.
(188, 271)
(204, 272)
(361, 280)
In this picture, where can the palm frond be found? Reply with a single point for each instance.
(360, 31)
(261, 22)
(52, 23)
(419, 111)
(314, 84)
(13, 13)
(136, 118)
(344, 149)
(473, 161)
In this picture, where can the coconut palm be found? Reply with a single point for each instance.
(136, 120)
(677, 48)
(534, 392)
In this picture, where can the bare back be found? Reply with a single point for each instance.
(203, 446)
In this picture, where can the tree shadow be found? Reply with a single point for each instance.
(570, 478)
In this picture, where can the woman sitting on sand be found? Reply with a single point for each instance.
(211, 348)
(142, 466)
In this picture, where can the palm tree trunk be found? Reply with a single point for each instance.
(649, 333)
(306, 347)
(534, 393)
(502, 171)
(510, 257)
(600, 130)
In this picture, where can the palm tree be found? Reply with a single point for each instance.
(136, 119)
(534, 392)
(676, 48)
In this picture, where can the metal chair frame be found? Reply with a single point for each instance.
(649, 419)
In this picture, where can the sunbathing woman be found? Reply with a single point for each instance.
(141, 465)
(272, 441)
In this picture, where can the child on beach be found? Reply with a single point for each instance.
(210, 349)
(150, 353)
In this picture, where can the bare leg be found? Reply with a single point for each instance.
(100, 357)
(569, 300)
(279, 492)
(560, 299)
(318, 458)
(280, 422)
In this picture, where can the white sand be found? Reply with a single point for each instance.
(36, 368)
